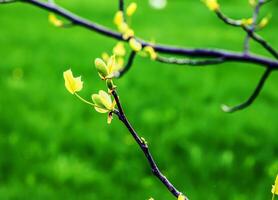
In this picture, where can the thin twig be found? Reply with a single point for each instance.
(263, 42)
(253, 26)
(227, 20)
(144, 147)
(127, 66)
(252, 98)
(250, 32)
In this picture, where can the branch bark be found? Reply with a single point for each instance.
(144, 147)
(201, 52)
(253, 96)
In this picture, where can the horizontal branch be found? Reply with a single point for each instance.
(228, 55)
(190, 62)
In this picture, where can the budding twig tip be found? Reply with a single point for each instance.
(226, 108)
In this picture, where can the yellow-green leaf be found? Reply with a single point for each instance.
(275, 187)
(105, 56)
(213, 5)
(131, 9)
(247, 22)
(54, 20)
(253, 3)
(128, 33)
(101, 68)
(72, 84)
(119, 18)
(181, 197)
(103, 102)
(263, 23)
(111, 64)
(119, 49)
(151, 52)
(135, 45)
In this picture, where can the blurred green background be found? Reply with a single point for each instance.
(52, 146)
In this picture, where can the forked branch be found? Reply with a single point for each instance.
(198, 52)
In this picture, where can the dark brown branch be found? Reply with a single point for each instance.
(237, 57)
(144, 147)
(127, 66)
(252, 98)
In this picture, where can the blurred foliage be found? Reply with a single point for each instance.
(52, 146)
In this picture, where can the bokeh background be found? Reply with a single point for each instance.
(52, 146)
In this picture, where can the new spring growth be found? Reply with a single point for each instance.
(104, 104)
(121, 24)
(119, 18)
(144, 141)
(264, 22)
(106, 70)
(213, 5)
(72, 84)
(149, 51)
(119, 49)
(181, 197)
(275, 187)
(135, 45)
(247, 22)
(102, 101)
(54, 20)
(131, 9)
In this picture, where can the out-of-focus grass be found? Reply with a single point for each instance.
(52, 146)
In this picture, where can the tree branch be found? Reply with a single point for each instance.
(216, 56)
(249, 31)
(252, 98)
(121, 5)
(190, 62)
(253, 26)
(127, 66)
(144, 147)
(250, 34)
(228, 55)
(261, 41)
